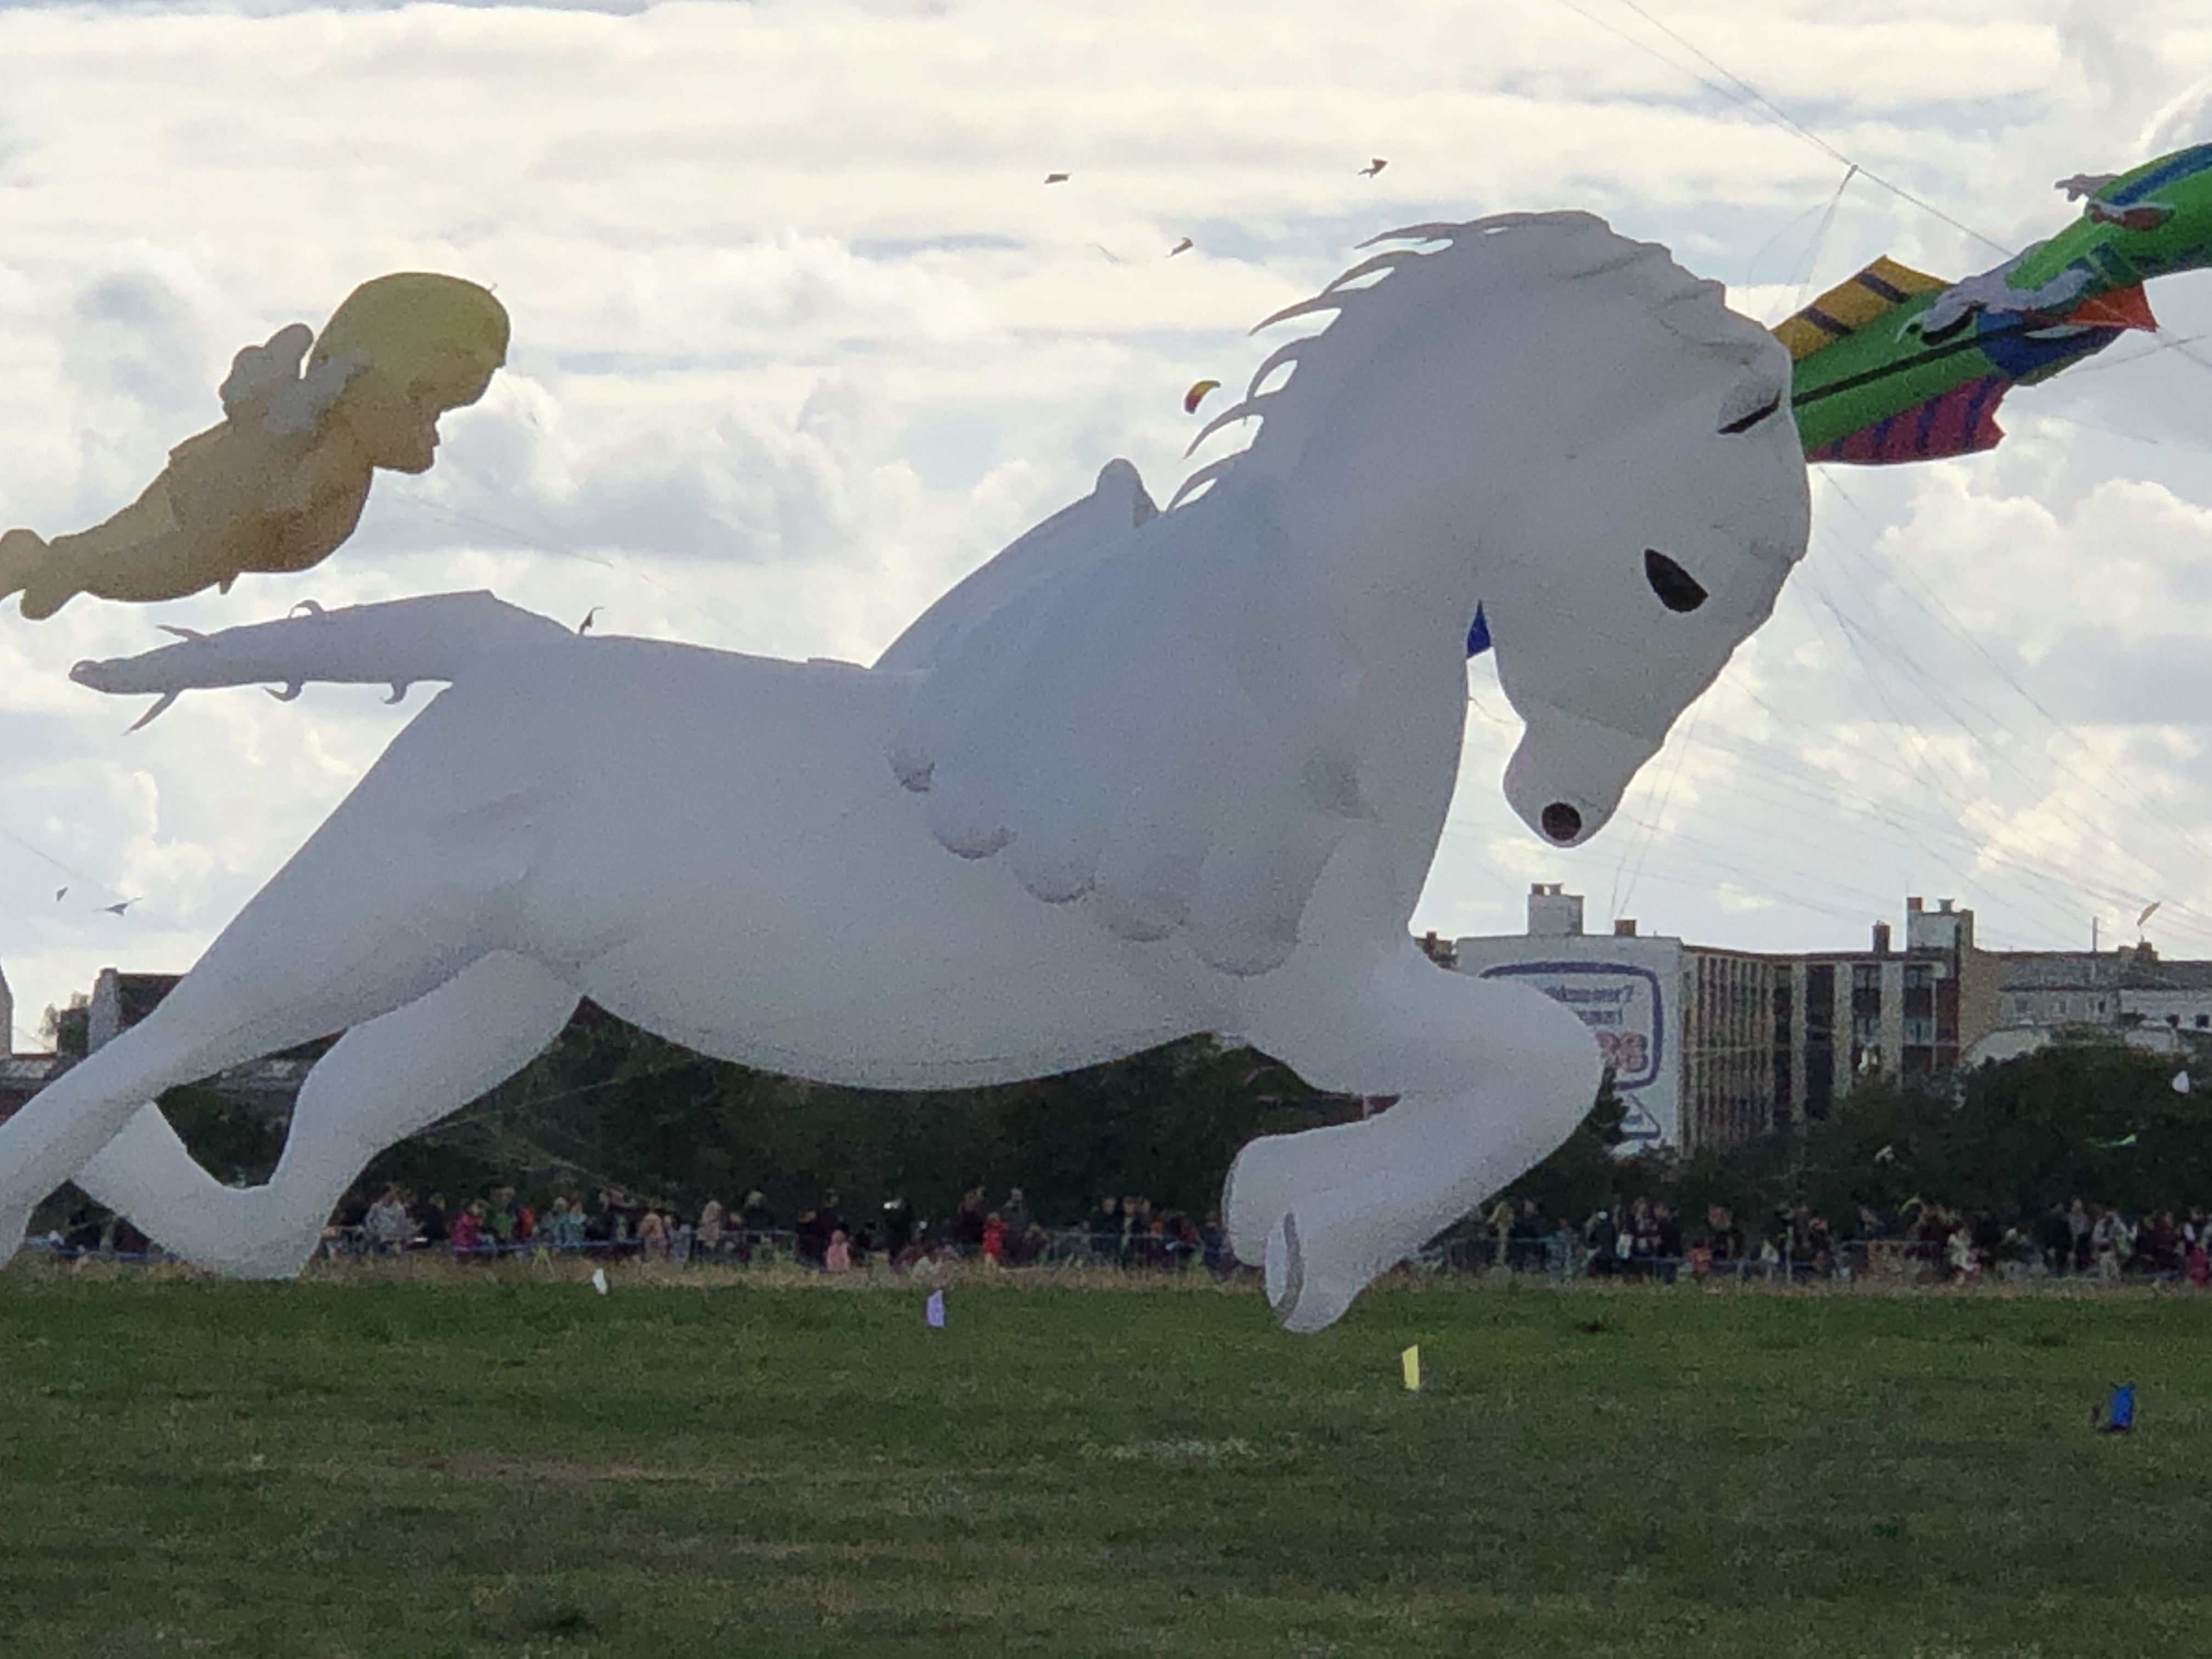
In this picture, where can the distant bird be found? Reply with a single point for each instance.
(1112, 258)
(1055, 178)
(117, 909)
(1194, 397)
(60, 893)
(1373, 168)
(1183, 247)
(585, 626)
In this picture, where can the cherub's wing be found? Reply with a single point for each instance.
(1147, 733)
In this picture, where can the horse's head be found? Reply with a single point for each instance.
(1616, 584)
(1621, 581)
(1537, 416)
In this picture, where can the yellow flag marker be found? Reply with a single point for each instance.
(1410, 1363)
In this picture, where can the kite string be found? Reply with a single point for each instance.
(1752, 97)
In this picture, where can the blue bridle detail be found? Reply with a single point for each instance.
(1478, 635)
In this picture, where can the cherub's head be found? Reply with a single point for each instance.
(424, 343)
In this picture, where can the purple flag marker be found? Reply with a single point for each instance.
(933, 1311)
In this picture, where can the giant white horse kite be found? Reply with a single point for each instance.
(1146, 774)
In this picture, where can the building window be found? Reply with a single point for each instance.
(1921, 1032)
(2203, 1021)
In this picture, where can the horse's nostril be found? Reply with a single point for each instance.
(1562, 821)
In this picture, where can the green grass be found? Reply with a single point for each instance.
(487, 1465)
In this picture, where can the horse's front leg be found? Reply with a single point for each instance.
(1492, 1079)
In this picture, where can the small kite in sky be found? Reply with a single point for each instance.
(2147, 910)
(1373, 168)
(117, 909)
(1055, 178)
(1183, 247)
(1895, 365)
(585, 626)
(60, 893)
(1196, 395)
(281, 482)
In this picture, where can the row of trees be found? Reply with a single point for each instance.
(609, 1104)
(2096, 1120)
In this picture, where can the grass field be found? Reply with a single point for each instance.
(481, 1464)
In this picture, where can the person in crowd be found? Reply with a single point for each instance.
(756, 1225)
(711, 1221)
(1726, 1237)
(837, 1254)
(968, 1220)
(498, 1216)
(1105, 1229)
(1600, 1234)
(2164, 1245)
(1960, 1259)
(652, 1235)
(1559, 1252)
(2082, 1228)
(2054, 1240)
(468, 1230)
(1136, 1229)
(1152, 1250)
(1214, 1245)
(2197, 1264)
(1014, 1211)
(994, 1242)
(1524, 1237)
(431, 1225)
(2114, 1241)
(809, 1238)
(387, 1226)
(1500, 1226)
(1668, 1230)
(898, 1228)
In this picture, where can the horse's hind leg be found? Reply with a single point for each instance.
(380, 908)
(381, 1083)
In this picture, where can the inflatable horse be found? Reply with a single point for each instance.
(1146, 774)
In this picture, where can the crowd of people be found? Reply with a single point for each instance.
(1642, 1238)
(1127, 1230)
(1646, 1238)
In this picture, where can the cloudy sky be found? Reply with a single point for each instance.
(801, 337)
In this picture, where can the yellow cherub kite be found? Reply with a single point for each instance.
(281, 484)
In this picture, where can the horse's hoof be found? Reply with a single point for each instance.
(1255, 1197)
(1285, 1269)
(1305, 1296)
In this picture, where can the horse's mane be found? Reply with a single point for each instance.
(1397, 288)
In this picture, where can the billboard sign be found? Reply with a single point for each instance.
(1625, 1008)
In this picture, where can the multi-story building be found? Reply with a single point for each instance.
(1709, 1046)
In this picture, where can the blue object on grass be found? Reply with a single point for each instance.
(2120, 1415)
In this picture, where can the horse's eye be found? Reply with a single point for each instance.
(1733, 423)
(1677, 588)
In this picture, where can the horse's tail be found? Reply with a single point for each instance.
(437, 636)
